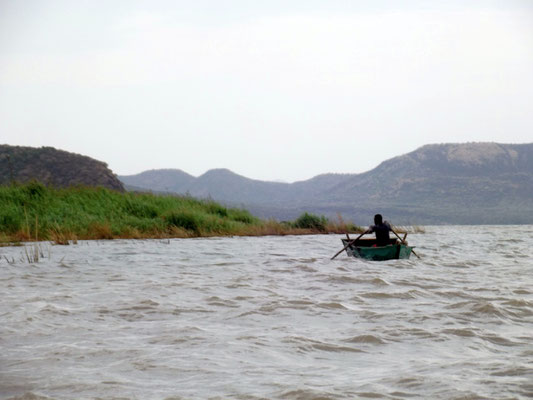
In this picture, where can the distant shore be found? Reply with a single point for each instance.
(34, 212)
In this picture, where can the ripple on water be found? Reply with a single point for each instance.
(251, 318)
(366, 339)
(307, 394)
(465, 332)
(482, 309)
(29, 396)
(411, 294)
(304, 345)
(332, 306)
(219, 302)
(144, 305)
(516, 372)
(498, 340)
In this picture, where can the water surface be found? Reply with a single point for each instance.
(270, 318)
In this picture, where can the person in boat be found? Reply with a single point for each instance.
(381, 229)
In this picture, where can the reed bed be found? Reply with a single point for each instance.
(34, 212)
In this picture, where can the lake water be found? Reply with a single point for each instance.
(270, 318)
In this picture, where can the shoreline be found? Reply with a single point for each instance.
(70, 241)
(34, 212)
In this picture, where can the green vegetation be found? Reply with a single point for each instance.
(35, 212)
(310, 221)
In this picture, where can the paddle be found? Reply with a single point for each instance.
(403, 241)
(349, 244)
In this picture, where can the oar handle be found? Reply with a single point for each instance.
(349, 244)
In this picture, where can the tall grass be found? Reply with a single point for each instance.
(36, 212)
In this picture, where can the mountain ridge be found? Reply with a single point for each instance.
(479, 182)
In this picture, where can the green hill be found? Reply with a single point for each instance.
(53, 167)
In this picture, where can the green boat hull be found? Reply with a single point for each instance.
(390, 252)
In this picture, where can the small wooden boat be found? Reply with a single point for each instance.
(367, 249)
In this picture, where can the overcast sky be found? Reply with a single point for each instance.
(273, 90)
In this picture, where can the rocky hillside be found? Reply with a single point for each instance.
(448, 183)
(472, 183)
(54, 167)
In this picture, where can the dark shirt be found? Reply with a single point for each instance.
(382, 233)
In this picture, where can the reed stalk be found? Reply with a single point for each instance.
(64, 216)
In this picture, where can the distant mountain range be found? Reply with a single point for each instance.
(53, 167)
(471, 183)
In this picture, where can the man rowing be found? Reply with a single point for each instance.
(383, 249)
(381, 229)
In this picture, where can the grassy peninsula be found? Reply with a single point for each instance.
(33, 211)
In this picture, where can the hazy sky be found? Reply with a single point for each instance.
(272, 89)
